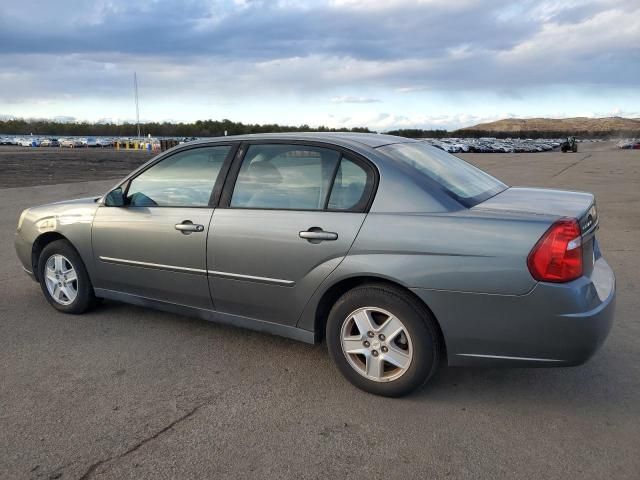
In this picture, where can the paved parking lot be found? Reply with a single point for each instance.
(124, 392)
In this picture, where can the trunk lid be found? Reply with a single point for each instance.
(546, 202)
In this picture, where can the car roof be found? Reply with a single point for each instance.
(339, 138)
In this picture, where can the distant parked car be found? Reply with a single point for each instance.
(400, 255)
(50, 142)
(104, 142)
(71, 142)
(29, 142)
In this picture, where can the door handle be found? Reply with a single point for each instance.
(188, 227)
(316, 235)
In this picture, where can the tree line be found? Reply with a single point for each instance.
(200, 128)
(214, 128)
(419, 133)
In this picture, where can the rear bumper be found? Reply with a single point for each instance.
(553, 325)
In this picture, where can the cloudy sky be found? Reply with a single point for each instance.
(382, 64)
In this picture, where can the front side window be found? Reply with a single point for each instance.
(461, 180)
(285, 177)
(185, 179)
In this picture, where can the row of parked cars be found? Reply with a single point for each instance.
(495, 145)
(75, 142)
(629, 143)
(451, 145)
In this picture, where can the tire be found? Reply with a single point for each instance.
(84, 298)
(378, 303)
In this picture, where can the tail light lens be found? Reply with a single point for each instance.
(557, 257)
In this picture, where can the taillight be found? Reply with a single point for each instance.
(557, 257)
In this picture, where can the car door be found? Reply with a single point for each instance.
(287, 222)
(154, 245)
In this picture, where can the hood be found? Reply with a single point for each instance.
(77, 201)
(80, 209)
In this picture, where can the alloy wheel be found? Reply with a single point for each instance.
(61, 279)
(376, 344)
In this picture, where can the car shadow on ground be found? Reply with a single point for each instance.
(586, 385)
(580, 386)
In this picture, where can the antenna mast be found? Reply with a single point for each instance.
(135, 88)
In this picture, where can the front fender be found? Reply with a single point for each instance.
(71, 220)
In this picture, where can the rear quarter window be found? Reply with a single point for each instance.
(461, 180)
(350, 187)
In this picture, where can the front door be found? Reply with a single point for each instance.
(155, 245)
(292, 216)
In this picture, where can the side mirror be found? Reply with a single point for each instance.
(115, 198)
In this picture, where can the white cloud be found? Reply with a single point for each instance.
(352, 99)
(608, 31)
(395, 4)
(219, 56)
(412, 89)
(383, 121)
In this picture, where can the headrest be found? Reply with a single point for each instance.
(264, 172)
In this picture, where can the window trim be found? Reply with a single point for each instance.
(214, 198)
(373, 176)
(332, 183)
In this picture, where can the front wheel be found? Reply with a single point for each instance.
(64, 279)
(382, 340)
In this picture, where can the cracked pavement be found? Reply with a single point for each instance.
(125, 392)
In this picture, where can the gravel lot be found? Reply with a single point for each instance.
(24, 166)
(125, 392)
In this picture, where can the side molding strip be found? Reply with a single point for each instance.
(251, 278)
(175, 268)
(160, 266)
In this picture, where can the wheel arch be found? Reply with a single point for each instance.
(39, 244)
(335, 291)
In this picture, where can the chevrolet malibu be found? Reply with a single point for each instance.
(400, 255)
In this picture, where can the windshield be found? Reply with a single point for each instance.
(461, 180)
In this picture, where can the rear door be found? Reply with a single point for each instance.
(155, 245)
(287, 222)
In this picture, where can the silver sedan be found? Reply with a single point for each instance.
(399, 254)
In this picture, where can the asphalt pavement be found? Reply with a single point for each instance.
(126, 392)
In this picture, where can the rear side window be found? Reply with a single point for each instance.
(461, 180)
(185, 179)
(285, 177)
(350, 187)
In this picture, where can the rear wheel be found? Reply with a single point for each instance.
(382, 340)
(64, 279)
